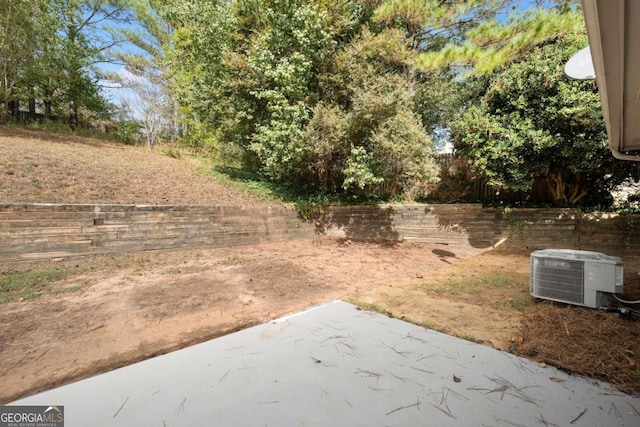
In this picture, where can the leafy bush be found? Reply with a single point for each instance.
(535, 123)
(128, 132)
(304, 104)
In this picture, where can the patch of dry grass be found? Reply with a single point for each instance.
(39, 167)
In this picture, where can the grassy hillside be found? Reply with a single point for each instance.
(61, 168)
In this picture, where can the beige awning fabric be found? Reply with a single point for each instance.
(613, 27)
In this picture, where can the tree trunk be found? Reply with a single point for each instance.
(576, 193)
(5, 114)
(565, 192)
(14, 109)
(73, 117)
(555, 184)
(47, 110)
(32, 109)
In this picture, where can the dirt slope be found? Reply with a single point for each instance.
(58, 168)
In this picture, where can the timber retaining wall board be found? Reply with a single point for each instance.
(41, 231)
(471, 224)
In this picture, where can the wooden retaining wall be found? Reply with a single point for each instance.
(44, 231)
(471, 224)
(41, 231)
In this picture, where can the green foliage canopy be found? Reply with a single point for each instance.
(49, 53)
(495, 42)
(342, 96)
(535, 123)
(311, 94)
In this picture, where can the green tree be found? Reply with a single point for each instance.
(429, 25)
(18, 31)
(145, 83)
(431, 28)
(206, 73)
(372, 142)
(81, 40)
(50, 52)
(284, 60)
(535, 123)
(495, 41)
(312, 94)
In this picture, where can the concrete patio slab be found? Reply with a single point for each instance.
(335, 365)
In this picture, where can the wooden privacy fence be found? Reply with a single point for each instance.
(43, 231)
(479, 190)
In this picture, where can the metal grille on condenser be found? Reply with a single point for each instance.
(559, 280)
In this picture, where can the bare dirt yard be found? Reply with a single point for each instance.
(66, 320)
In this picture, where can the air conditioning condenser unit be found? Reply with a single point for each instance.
(576, 277)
